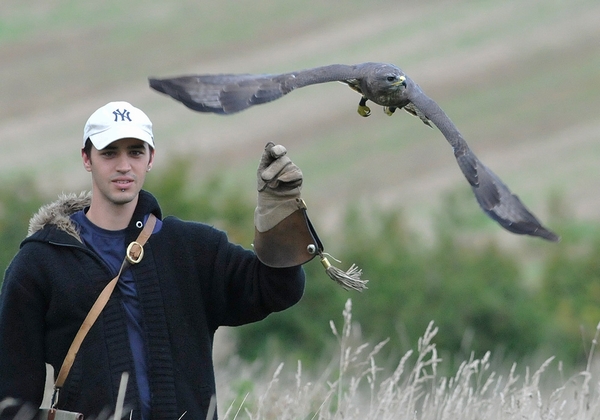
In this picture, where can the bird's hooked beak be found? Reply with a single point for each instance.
(401, 81)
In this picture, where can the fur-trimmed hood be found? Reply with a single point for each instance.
(58, 213)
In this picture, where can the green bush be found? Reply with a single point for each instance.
(208, 200)
(18, 202)
(571, 295)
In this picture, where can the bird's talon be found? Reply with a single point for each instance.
(389, 110)
(364, 111)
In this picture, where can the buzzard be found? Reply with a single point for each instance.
(381, 83)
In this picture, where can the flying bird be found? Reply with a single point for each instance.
(381, 83)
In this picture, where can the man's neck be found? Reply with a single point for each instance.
(111, 216)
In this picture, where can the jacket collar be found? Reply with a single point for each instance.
(58, 213)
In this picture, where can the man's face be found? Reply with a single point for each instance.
(119, 170)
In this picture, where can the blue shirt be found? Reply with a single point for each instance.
(110, 246)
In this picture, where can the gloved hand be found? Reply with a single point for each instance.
(279, 182)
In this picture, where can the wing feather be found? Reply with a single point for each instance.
(493, 196)
(466, 159)
(230, 93)
(508, 211)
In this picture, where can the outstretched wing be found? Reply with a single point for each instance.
(229, 93)
(467, 161)
(491, 193)
(508, 210)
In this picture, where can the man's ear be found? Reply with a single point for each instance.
(87, 160)
(151, 160)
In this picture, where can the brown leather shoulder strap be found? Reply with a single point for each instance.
(134, 255)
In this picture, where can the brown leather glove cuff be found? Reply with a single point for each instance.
(291, 242)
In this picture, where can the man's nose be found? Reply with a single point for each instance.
(123, 164)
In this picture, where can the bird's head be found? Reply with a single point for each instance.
(391, 78)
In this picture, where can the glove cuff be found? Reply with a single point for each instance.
(290, 242)
(271, 209)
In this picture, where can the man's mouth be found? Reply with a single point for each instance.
(123, 183)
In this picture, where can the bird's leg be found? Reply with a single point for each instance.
(363, 109)
(389, 110)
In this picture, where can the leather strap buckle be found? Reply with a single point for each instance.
(135, 252)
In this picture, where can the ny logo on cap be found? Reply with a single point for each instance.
(123, 114)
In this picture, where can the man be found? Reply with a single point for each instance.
(160, 321)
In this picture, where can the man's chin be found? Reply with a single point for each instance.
(125, 197)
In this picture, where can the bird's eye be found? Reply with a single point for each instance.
(391, 78)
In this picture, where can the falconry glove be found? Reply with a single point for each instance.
(279, 182)
(284, 235)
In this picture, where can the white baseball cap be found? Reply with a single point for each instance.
(117, 120)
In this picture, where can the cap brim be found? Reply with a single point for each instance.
(104, 138)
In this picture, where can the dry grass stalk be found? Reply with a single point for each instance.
(415, 389)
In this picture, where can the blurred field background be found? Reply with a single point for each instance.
(521, 80)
